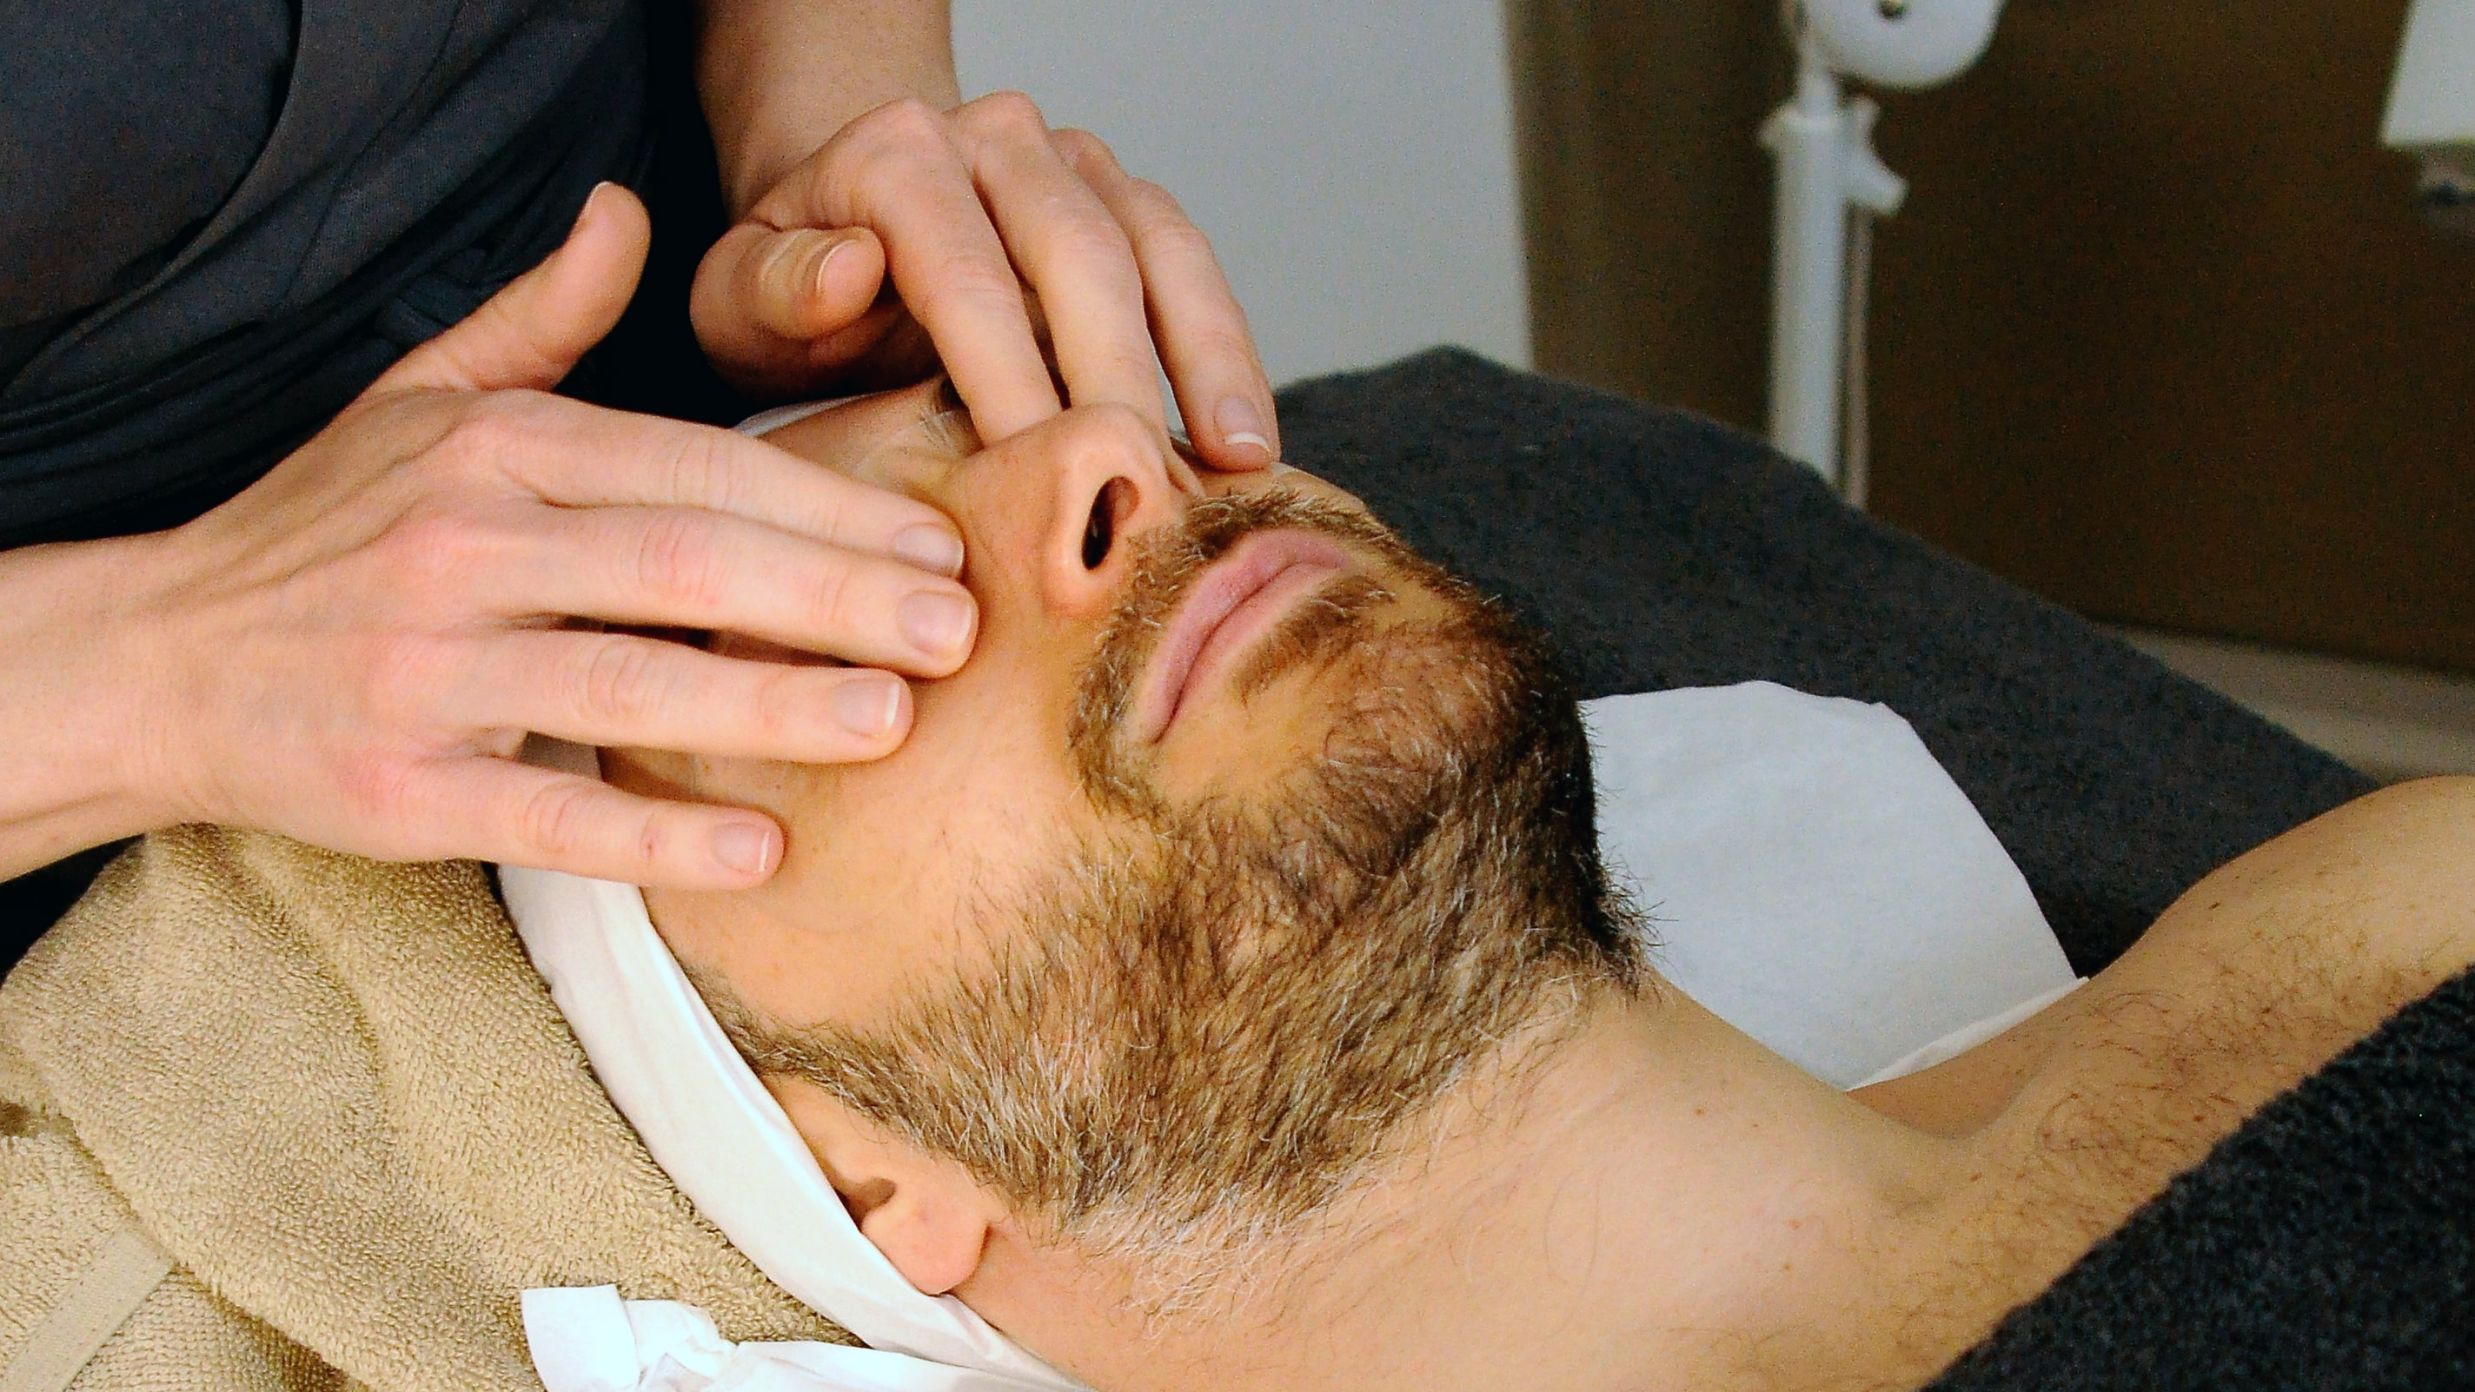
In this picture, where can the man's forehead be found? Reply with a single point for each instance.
(957, 435)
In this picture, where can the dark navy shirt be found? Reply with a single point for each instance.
(122, 129)
(219, 219)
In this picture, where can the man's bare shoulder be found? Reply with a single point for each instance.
(2253, 980)
(2257, 976)
(2367, 907)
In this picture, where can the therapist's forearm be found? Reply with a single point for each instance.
(74, 736)
(779, 77)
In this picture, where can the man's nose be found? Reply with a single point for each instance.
(1114, 482)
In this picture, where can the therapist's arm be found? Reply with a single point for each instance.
(848, 164)
(73, 758)
(779, 78)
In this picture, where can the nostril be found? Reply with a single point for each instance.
(1108, 510)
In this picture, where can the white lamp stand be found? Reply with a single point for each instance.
(1827, 172)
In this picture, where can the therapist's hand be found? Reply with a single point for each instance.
(352, 651)
(963, 211)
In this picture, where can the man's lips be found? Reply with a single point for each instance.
(1237, 600)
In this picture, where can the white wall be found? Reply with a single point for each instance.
(1352, 160)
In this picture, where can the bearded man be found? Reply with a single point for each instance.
(1219, 988)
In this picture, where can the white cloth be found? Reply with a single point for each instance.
(1818, 881)
(587, 1339)
(775, 418)
(1814, 876)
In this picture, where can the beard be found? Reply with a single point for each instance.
(1207, 1026)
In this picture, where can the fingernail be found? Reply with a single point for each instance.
(744, 847)
(816, 278)
(587, 210)
(930, 548)
(796, 265)
(934, 621)
(1241, 424)
(867, 705)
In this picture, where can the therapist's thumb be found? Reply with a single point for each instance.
(532, 332)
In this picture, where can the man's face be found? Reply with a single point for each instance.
(884, 860)
(1212, 862)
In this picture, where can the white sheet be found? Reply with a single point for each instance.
(1814, 876)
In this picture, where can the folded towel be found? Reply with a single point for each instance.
(337, 1097)
(589, 1339)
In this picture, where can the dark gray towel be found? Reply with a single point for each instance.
(1660, 550)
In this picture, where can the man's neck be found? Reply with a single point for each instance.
(1657, 1202)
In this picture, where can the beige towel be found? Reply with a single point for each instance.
(336, 1096)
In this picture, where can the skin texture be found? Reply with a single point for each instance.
(1645, 1198)
(1000, 742)
(1283, 974)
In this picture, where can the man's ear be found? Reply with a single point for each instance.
(929, 1218)
(933, 1229)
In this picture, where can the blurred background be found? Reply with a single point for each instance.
(2160, 332)
(1354, 163)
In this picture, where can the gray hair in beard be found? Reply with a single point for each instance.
(1194, 1038)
